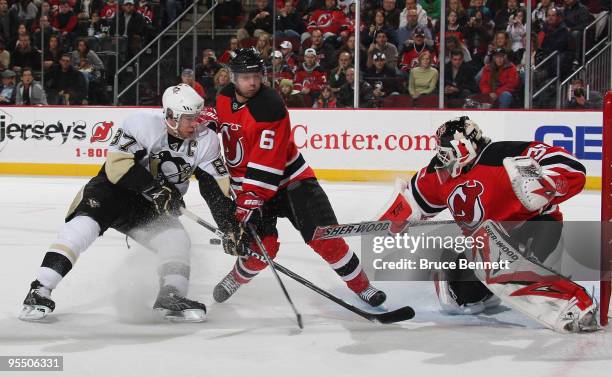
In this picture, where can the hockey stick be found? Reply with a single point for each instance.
(267, 260)
(367, 227)
(401, 314)
(272, 266)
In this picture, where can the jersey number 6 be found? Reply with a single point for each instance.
(267, 139)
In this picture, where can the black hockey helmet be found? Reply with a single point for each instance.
(247, 60)
(459, 141)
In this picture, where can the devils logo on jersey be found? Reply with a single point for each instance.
(324, 20)
(465, 205)
(164, 166)
(234, 154)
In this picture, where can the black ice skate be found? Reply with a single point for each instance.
(171, 306)
(226, 288)
(37, 303)
(373, 296)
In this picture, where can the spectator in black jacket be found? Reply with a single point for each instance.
(136, 29)
(325, 51)
(346, 92)
(44, 30)
(66, 85)
(228, 13)
(459, 80)
(8, 22)
(383, 79)
(25, 55)
(260, 19)
(556, 36)
(289, 24)
(207, 69)
(502, 15)
(577, 17)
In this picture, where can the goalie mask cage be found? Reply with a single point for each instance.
(606, 211)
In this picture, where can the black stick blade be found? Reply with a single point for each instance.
(393, 316)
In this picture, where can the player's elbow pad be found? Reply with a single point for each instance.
(221, 206)
(121, 169)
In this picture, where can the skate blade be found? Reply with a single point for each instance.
(34, 313)
(188, 315)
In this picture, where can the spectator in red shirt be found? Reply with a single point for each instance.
(65, 21)
(327, 99)
(499, 79)
(187, 77)
(145, 9)
(310, 77)
(228, 54)
(110, 10)
(330, 20)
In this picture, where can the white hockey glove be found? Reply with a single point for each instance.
(534, 187)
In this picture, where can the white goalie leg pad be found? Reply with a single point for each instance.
(529, 287)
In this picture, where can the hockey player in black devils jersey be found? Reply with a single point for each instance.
(271, 179)
(139, 192)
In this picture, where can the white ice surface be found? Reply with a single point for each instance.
(103, 324)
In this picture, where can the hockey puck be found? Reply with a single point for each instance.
(215, 241)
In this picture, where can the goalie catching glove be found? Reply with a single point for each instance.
(534, 187)
(166, 199)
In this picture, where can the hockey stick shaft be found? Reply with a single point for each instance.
(397, 315)
(367, 227)
(261, 247)
(272, 266)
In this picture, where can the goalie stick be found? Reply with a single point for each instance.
(366, 227)
(401, 314)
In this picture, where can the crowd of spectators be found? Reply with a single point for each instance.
(51, 51)
(308, 46)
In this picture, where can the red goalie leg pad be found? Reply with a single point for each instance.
(245, 270)
(342, 259)
(398, 213)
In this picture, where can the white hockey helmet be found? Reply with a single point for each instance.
(459, 141)
(179, 100)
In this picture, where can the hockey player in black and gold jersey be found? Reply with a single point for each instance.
(139, 191)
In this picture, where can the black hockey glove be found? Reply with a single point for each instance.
(166, 199)
(236, 241)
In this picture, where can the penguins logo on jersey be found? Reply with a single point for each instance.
(170, 168)
(233, 154)
(464, 202)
